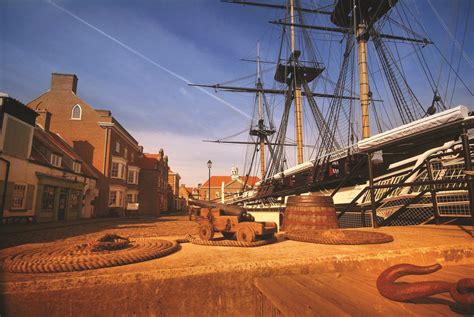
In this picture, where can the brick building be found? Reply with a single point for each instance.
(44, 179)
(173, 182)
(98, 138)
(223, 187)
(153, 184)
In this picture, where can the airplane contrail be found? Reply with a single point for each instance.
(128, 48)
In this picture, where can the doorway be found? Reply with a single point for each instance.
(63, 193)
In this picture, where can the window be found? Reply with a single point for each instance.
(115, 170)
(132, 198)
(132, 177)
(116, 198)
(47, 198)
(132, 157)
(113, 198)
(76, 166)
(125, 153)
(55, 160)
(76, 113)
(19, 196)
(74, 201)
(117, 147)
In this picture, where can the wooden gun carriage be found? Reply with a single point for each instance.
(231, 221)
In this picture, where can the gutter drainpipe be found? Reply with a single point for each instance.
(4, 192)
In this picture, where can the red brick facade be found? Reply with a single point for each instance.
(101, 141)
(153, 197)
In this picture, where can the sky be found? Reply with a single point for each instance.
(136, 58)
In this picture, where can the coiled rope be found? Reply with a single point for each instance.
(54, 259)
(338, 236)
(228, 243)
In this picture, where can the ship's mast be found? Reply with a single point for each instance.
(260, 114)
(297, 90)
(361, 34)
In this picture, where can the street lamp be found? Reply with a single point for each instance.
(209, 165)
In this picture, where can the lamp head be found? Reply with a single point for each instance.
(209, 164)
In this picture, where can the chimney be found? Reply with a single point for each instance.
(44, 118)
(64, 82)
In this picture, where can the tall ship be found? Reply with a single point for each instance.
(364, 137)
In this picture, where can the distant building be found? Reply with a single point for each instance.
(98, 138)
(153, 184)
(173, 182)
(45, 178)
(223, 187)
(184, 194)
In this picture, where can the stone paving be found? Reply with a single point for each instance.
(201, 280)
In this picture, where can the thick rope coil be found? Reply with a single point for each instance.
(81, 257)
(338, 236)
(229, 243)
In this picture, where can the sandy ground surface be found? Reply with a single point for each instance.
(419, 242)
(168, 225)
(225, 273)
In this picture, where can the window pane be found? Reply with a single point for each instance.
(115, 170)
(18, 197)
(47, 198)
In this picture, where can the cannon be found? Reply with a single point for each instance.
(231, 221)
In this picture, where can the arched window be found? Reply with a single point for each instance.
(76, 112)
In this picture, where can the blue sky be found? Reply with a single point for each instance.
(170, 42)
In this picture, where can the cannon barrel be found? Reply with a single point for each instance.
(229, 210)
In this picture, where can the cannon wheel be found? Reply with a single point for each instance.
(206, 232)
(228, 235)
(246, 234)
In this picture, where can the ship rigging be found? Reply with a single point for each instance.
(338, 157)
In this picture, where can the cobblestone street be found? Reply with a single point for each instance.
(167, 225)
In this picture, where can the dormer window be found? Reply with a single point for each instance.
(56, 160)
(76, 113)
(76, 166)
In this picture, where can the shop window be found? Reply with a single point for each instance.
(76, 113)
(74, 200)
(19, 196)
(47, 198)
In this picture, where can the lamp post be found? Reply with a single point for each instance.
(209, 165)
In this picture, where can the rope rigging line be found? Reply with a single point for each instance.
(462, 47)
(445, 27)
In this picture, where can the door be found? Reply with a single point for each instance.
(62, 204)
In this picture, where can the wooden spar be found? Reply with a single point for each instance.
(297, 91)
(245, 142)
(363, 81)
(277, 6)
(347, 30)
(272, 91)
(260, 115)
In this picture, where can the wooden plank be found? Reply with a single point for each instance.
(355, 294)
(293, 299)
